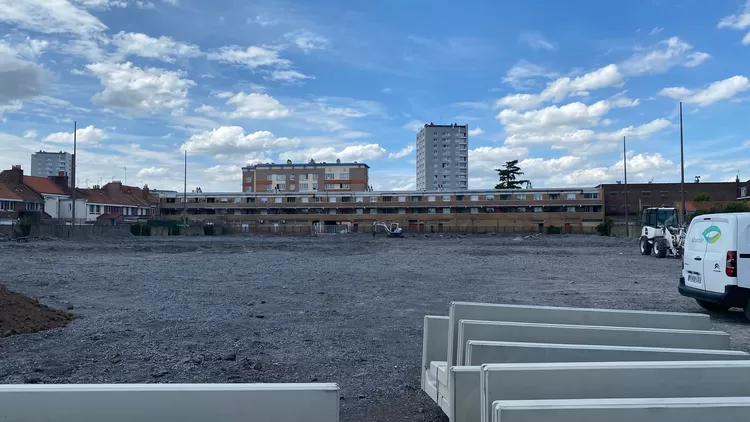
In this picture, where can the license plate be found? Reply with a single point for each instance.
(695, 278)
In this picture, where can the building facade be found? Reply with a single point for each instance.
(574, 210)
(443, 157)
(48, 164)
(644, 195)
(306, 178)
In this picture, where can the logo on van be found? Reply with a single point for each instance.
(712, 234)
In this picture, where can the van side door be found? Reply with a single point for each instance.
(695, 251)
(720, 237)
(743, 251)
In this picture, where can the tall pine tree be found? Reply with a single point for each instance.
(509, 176)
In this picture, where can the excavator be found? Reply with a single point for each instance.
(390, 229)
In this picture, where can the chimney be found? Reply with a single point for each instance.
(14, 175)
(62, 181)
(146, 192)
(114, 188)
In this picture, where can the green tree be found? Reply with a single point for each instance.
(510, 175)
(702, 197)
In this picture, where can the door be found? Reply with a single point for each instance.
(695, 252)
(720, 237)
(743, 250)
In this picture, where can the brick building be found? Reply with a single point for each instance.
(643, 195)
(306, 178)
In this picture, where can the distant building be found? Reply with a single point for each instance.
(443, 157)
(306, 178)
(48, 164)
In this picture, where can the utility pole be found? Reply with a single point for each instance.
(184, 195)
(682, 172)
(73, 175)
(625, 166)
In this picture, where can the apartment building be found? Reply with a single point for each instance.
(443, 157)
(644, 195)
(48, 164)
(306, 178)
(574, 210)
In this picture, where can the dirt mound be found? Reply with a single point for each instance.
(21, 314)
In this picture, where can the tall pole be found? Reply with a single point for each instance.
(73, 173)
(184, 195)
(682, 172)
(625, 166)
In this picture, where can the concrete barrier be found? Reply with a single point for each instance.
(434, 346)
(610, 380)
(465, 397)
(581, 334)
(170, 402)
(624, 410)
(567, 316)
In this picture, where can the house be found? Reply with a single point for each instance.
(113, 199)
(8, 203)
(53, 194)
(31, 204)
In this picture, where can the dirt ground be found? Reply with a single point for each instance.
(345, 309)
(20, 314)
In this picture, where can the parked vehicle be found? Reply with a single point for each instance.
(390, 229)
(716, 263)
(661, 232)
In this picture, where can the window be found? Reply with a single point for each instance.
(373, 199)
(281, 177)
(360, 211)
(329, 185)
(269, 177)
(305, 199)
(291, 199)
(269, 188)
(92, 209)
(264, 199)
(571, 197)
(475, 210)
(315, 177)
(490, 197)
(263, 212)
(281, 186)
(402, 210)
(386, 199)
(446, 210)
(331, 199)
(315, 186)
(330, 176)
(359, 199)
(344, 176)
(613, 194)
(646, 193)
(302, 177)
(474, 197)
(538, 209)
(344, 186)
(416, 198)
(521, 209)
(590, 196)
(664, 194)
(458, 197)
(430, 199)
(303, 186)
(538, 196)
(237, 200)
(373, 210)
(277, 200)
(249, 179)
(401, 199)
(292, 186)
(346, 199)
(571, 209)
(521, 197)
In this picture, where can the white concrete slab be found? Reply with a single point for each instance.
(567, 316)
(434, 342)
(608, 380)
(170, 402)
(624, 410)
(582, 334)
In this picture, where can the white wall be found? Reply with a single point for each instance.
(66, 211)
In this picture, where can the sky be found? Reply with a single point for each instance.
(556, 85)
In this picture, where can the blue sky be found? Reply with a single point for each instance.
(553, 84)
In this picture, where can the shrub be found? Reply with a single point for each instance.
(702, 197)
(24, 227)
(140, 229)
(208, 230)
(605, 228)
(554, 230)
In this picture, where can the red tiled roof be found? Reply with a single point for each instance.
(43, 185)
(23, 192)
(6, 193)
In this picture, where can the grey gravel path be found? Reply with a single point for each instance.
(344, 309)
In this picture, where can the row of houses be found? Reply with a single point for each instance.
(51, 199)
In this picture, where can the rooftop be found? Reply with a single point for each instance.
(392, 193)
(303, 165)
(43, 185)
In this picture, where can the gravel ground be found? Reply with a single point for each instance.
(344, 309)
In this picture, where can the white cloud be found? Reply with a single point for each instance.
(224, 173)
(254, 106)
(20, 79)
(288, 75)
(101, 4)
(607, 76)
(332, 113)
(403, 152)
(523, 74)
(476, 131)
(717, 91)
(536, 41)
(413, 125)
(354, 134)
(152, 171)
(307, 41)
(252, 57)
(49, 17)
(231, 141)
(641, 168)
(656, 30)
(350, 153)
(30, 134)
(162, 48)
(84, 136)
(147, 90)
(739, 21)
(663, 56)
(386, 91)
(145, 4)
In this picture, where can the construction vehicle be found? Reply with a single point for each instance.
(390, 229)
(662, 233)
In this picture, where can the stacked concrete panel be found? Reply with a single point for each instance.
(170, 402)
(461, 351)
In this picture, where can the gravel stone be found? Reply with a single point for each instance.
(197, 302)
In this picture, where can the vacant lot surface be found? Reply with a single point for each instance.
(344, 309)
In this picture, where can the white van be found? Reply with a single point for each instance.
(716, 262)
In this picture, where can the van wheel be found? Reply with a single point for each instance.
(661, 247)
(713, 306)
(645, 246)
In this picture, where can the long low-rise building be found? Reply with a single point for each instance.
(574, 210)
